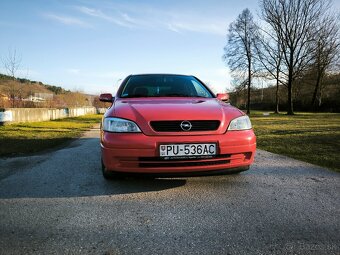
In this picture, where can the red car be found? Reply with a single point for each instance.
(171, 124)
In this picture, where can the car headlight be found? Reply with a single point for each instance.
(240, 123)
(118, 125)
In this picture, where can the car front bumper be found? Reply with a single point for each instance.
(138, 153)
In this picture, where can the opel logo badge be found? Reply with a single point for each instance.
(186, 125)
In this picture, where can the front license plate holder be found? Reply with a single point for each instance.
(187, 150)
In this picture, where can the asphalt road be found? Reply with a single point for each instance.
(58, 203)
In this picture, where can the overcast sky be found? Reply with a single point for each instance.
(89, 45)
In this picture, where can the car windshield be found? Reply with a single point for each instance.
(164, 86)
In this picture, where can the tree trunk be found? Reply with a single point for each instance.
(277, 93)
(277, 99)
(320, 96)
(249, 82)
(290, 110)
(315, 93)
(290, 100)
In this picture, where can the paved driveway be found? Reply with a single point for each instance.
(58, 203)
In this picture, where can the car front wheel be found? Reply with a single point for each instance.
(110, 175)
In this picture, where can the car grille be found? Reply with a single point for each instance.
(175, 126)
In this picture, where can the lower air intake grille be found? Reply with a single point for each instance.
(182, 164)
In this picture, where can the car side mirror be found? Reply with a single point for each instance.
(107, 97)
(223, 97)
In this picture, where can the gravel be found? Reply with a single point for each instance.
(58, 203)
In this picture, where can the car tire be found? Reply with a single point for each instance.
(110, 175)
(240, 170)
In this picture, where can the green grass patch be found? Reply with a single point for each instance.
(311, 137)
(23, 138)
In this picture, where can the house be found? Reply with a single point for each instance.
(40, 97)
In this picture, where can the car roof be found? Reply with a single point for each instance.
(152, 74)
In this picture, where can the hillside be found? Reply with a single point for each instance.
(28, 86)
(21, 92)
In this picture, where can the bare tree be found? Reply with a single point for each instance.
(12, 63)
(295, 24)
(270, 56)
(239, 51)
(327, 52)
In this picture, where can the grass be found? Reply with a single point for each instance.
(310, 137)
(25, 138)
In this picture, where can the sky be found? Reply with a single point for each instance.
(90, 46)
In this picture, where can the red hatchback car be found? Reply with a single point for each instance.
(171, 124)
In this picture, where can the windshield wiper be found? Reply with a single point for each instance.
(176, 95)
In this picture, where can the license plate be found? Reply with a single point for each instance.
(182, 150)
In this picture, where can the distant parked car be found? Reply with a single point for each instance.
(173, 124)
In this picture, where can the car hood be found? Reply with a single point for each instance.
(144, 110)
